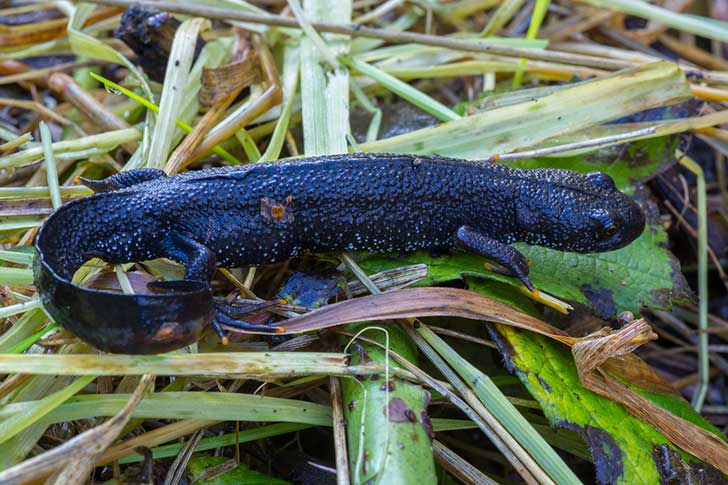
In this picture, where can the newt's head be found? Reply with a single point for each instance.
(581, 213)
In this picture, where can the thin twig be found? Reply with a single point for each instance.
(596, 142)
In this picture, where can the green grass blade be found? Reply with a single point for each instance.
(105, 141)
(17, 276)
(153, 107)
(702, 26)
(173, 92)
(703, 353)
(183, 405)
(289, 85)
(539, 12)
(230, 439)
(504, 411)
(51, 168)
(17, 257)
(325, 90)
(411, 94)
(30, 413)
(19, 308)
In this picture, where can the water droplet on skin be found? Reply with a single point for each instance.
(112, 91)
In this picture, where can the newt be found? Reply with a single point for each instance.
(264, 213)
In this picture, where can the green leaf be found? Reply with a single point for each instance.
(643, 274)
(239, 474)
(387, 424)
(625, 450)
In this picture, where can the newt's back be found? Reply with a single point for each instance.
(270, 212)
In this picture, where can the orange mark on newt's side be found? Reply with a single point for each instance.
(278, 211)
(275, 211)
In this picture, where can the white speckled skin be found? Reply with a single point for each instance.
(257, 214)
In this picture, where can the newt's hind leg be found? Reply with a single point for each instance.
(199, 262)
(513, 262)
(225, 315)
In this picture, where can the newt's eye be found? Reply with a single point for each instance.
(606, 226)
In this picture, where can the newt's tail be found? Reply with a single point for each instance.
(114, 322)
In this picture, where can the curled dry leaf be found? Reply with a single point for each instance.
(218, 82)
(592, 351)
(595, 355)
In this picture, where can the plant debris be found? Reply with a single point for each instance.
(389, 363)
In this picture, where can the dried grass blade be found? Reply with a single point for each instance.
(418, 302)
(175, 80)
(411, 94)
(243, 364)
(522, 125)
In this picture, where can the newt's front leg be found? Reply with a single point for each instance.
(513, 262)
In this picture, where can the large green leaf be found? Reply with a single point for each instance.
(624, 449)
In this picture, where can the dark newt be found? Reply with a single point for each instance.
(257, 214)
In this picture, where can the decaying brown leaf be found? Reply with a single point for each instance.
(419, 302)
(219, 82)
